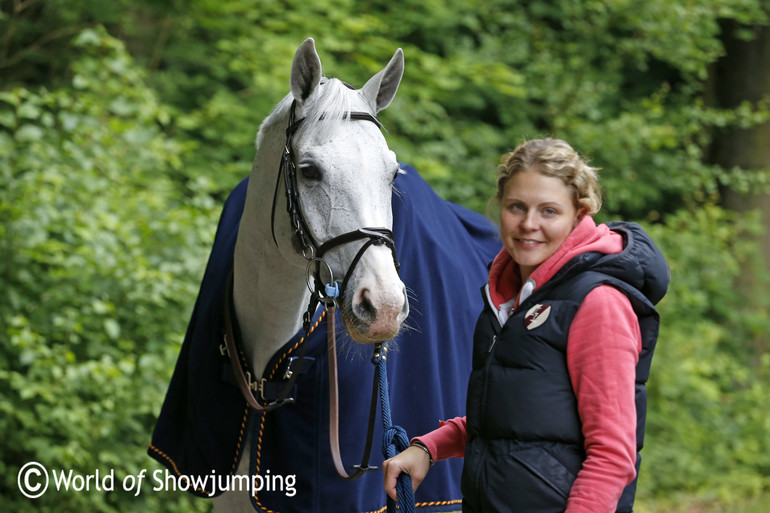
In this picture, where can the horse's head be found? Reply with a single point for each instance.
(344, 180)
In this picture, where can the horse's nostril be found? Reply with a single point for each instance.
(364, 308)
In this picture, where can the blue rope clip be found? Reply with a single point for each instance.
(333, 290)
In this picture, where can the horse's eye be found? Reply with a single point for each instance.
(310, 171)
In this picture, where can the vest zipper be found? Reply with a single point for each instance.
(482, 413)
(492, 345)
(487, 364)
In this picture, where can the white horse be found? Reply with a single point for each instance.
(345, 173)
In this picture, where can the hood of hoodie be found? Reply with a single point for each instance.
(621, 250)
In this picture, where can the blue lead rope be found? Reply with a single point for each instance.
(394, 440)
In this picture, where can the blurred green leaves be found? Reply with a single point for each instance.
(100, 253)
(707, 418)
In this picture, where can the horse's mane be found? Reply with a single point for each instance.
(329, 102)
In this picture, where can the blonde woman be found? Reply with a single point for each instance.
(561, 352)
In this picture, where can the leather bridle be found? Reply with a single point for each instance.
(309, 247)
(328, 294)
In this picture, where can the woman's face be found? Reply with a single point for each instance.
(538, 213)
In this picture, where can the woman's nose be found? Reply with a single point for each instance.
(529, 222)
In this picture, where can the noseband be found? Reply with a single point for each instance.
(309, 248)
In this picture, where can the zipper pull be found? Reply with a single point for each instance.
(492, 345)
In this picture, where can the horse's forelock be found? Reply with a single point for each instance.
(330, 102)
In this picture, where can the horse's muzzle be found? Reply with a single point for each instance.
(376, 315)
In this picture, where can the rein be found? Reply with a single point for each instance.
(334, 427)
(394, 438)
(248, 387)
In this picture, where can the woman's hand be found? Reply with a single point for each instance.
(413, 461)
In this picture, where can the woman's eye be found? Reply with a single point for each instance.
(310, 171)
(549, 212)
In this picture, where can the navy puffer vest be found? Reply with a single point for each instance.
(525, 443)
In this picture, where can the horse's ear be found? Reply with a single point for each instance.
(382, 87)
(305, 70)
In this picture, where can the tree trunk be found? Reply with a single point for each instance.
(743, 74)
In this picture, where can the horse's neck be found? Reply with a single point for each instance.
(269, 292)
(268, 305)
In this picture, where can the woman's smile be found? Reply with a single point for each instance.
(525, 242)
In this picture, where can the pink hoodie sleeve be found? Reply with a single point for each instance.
(602, 352)
(448, 440)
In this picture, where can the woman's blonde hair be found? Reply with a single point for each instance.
(554, 157)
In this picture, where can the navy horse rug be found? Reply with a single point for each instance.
(444, 250)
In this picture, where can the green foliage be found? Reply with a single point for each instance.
(708, 420)
(96, 286)
(620, 80)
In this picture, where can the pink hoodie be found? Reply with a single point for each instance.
(602, 352)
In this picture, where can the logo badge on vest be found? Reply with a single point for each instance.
(536, 316)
